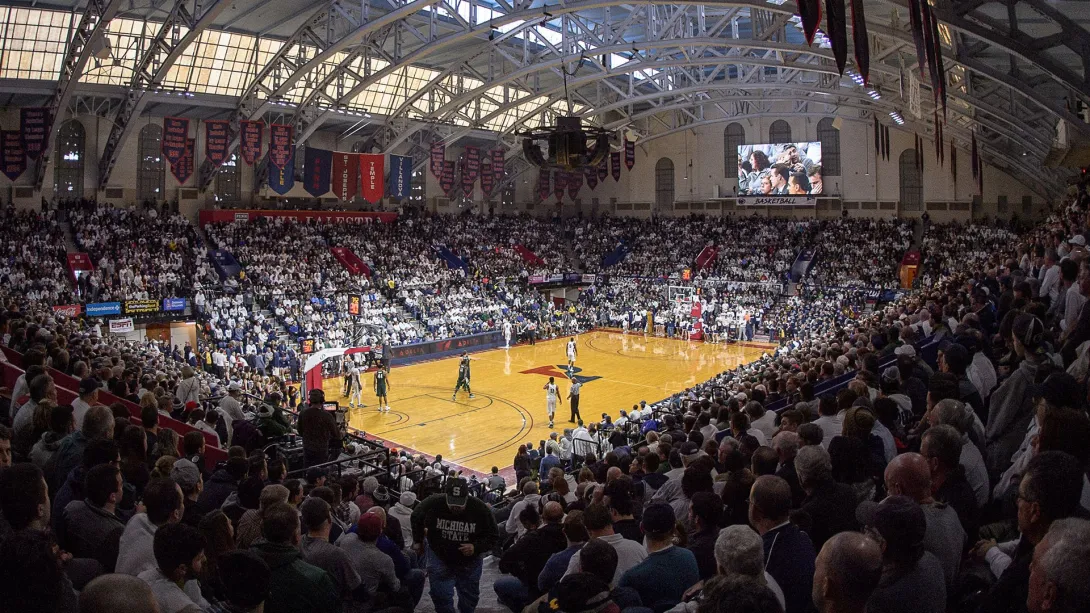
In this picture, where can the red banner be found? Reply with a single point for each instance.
(487, 180)
(559, 182)
(468, 179)
(371, 173)
(216, 136)
(175, 135)
(438, 156)
(184, 168)
(473, 162)
(207, 216)
(446, 180)
(542, 184)
(346, 173)
(34, 123)
(498, 164)
(592, 176)
(603, 169)
(280, 144)
(629, 153)
(575, 183)
(615, 164)
(13, 158)
(250, 134)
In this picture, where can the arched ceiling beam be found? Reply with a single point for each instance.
(337, 26)
(191, 16)
(84, 42)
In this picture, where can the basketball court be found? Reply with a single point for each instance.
(617, 371)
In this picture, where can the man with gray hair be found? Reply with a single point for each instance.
(530, 498)
(786, 446)
(829, 507)
(958, 415)
(739, 555)
(1059, 578)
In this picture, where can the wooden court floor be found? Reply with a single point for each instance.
(617, 370)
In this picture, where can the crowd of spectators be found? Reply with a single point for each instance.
(33, 267)
(855, 252)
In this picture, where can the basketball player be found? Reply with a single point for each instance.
(463, 377)
(382, 385)
(624, 324)
(507, 334)
(552, 395)
(572, 351)
(355, 386)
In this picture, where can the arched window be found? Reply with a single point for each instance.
(150, 172)
(830, 147)
(664, 184)
(911, 184)
(779, 132)
(228, 186)
(734, 136)
(68, 161)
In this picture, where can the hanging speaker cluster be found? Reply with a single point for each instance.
(567, 145)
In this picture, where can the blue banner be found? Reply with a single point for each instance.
(282, 178)
(401, 172)
(173, 304)
(99, 309)
(317, 165)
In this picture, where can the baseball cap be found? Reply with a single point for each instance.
(908, 350)
(1059, 390)
(370, 526)
(658, 518)
(88, 385)
(457, 492)
(185, 473)
(1078, 239)
(234, 387)
(898, 519)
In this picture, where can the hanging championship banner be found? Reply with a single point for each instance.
(346, 174)
(860, 40)
(473, 163)
(184, 168)
(467, 178)
(542, 184)
(175, 134)
(629, 153)
(281, 149)
(438, 155)
(282, 178)
(575, 183)
(559, 183)
(401, 173)
(615, 164)
(446, 180)
(487, 179)
(13, 158)
(216, 135)
(372, 173)
(810, 14)
(249, 140)
(836, 28)
(34, 128)
(603, 169)
(592, 176)
(317, 166)
(885, 142)
(498, 164)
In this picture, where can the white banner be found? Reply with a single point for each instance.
(777, 200)
(118, 326)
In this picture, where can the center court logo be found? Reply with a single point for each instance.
(560, 372)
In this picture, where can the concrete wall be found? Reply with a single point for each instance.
(699, 174)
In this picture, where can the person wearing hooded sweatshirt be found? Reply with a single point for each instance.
(1011, 407)
(136, 552)
(223, 482)
(402, 512)
(296, 585)
(61, 424)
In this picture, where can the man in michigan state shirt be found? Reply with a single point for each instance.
(459, 531)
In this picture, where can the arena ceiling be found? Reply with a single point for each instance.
(393, 73)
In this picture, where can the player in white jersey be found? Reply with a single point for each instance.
(355, 387)
(507, 334)
(572, 352)
(552, 396)
(624, 324)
